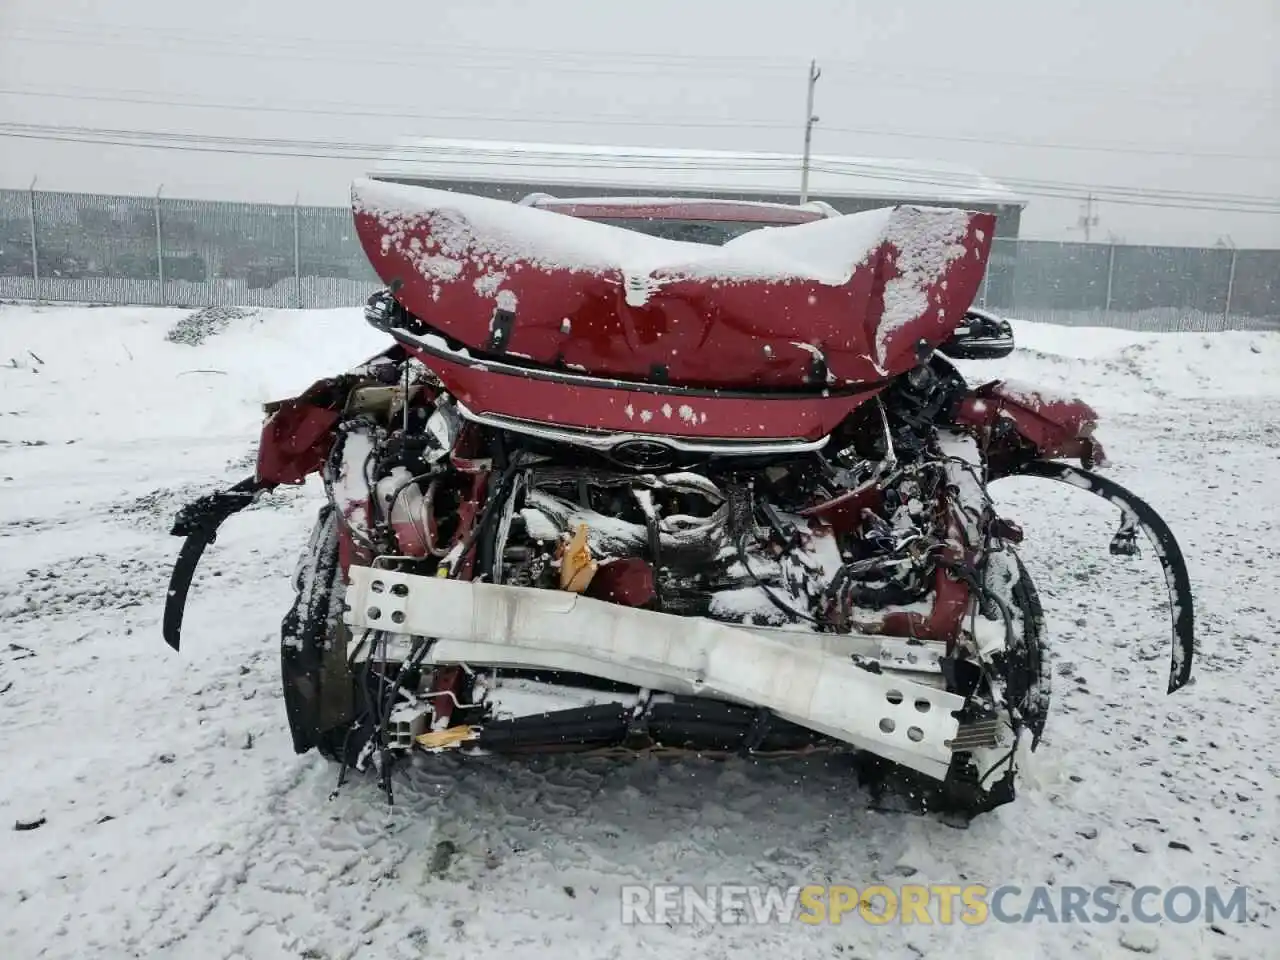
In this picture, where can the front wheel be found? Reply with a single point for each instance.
(981, 780)
(318, 688)
(982, 776)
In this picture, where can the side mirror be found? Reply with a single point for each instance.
(981, 336)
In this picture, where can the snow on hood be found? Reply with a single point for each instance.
(498, 233)
(928, 240)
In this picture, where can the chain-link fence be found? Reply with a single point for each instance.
(90, 248)
(1137, 287)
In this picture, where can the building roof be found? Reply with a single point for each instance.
(710, 171)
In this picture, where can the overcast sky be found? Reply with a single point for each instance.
(1179, 96)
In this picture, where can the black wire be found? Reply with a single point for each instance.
(384, 767)
(1007, 758)
(773, 598)
(364, 637)
(496, 496)
(411, 662)
(655, 550)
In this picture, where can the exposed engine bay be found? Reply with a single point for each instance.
(878, 543)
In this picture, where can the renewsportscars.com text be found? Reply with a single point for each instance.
(926, 904)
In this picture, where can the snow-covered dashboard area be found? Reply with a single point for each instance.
(170, 817)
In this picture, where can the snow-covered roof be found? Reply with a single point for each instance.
(709, 171)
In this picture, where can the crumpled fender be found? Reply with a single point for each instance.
(1055, 426)
(298, 434)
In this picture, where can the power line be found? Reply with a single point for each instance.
(423, 49)
(789, 64)
(418, 59)
(357, 110)
(940, 175)
(608, 157)
(489, 59)
(624, 160)
(983, 139)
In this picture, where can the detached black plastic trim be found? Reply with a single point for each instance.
(199, 522)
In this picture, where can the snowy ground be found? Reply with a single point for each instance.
(178, 822)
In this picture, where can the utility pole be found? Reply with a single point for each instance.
(1231, 280)
(809, 121)
(297, 259)
(35, 250)
(159, 245)
(1088, 218)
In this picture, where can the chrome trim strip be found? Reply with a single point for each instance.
(443, 351)
(604, 441)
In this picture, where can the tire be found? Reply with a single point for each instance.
(317, 685)
(965, 794)
(1028, 668)
(968, 791)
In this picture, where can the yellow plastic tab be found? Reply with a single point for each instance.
(576, 565)
(449, 737)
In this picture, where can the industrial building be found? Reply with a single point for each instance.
(510, 171)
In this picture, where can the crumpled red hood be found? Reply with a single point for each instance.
(857, 293)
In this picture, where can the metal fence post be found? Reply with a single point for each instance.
(1231, 282)
(35, 251)
(160, 249)
(1111, 272)
(297, 258)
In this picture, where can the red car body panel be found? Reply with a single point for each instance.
(718, 383)
(1054, 426)
(611, 406)
(745, 334)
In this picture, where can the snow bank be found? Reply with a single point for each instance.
(115, 374)
(1229, 364)
(1121, 369)
(1075, 342)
